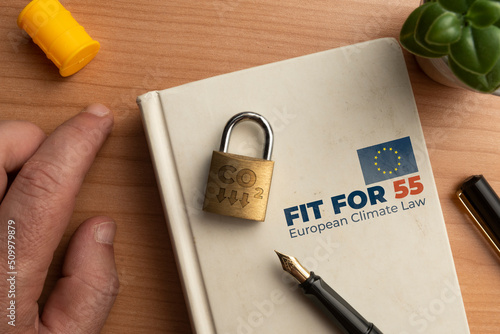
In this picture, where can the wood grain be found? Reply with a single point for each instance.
(157, 44)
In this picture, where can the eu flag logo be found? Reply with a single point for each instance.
(387, 160)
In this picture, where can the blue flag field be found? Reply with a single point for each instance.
(387, 160)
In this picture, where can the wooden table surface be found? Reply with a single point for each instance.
(157, 44)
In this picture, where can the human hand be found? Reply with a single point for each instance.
(35, 212)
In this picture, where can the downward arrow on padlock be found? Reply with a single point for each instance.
(221, 196)
(232, 198)
(244, 200)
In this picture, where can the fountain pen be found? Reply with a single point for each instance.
(344, 315)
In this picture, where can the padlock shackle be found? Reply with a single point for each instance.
(249, 116)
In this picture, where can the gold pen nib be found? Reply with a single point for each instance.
(293, 267)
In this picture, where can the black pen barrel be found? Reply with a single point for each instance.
(485, 202)
(344, 315)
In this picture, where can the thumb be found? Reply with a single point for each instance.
(83, 297)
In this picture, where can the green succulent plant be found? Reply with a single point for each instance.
(467, 31)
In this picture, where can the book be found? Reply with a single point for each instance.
(352, 196)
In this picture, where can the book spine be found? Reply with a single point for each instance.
(178, 225)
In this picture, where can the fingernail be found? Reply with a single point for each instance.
(97, 109)
(104, 233)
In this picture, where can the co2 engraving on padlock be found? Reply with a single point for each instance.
(238, 185)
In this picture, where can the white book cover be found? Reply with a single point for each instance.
(352, 196)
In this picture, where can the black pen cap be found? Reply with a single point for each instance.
(484, 206)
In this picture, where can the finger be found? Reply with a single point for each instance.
(83, 297)
(18, 141)
(41, 199)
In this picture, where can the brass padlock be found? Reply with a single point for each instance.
(238, 186)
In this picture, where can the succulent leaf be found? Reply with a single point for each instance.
(486, 83)
(484, 13)
(478, 50)
(427, 18)
(407, 34)
(446, 29)
(457, 6)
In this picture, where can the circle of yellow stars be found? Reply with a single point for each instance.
(387, 171)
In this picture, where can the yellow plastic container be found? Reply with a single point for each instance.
(57, 33)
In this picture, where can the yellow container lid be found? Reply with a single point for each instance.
(59, 35)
